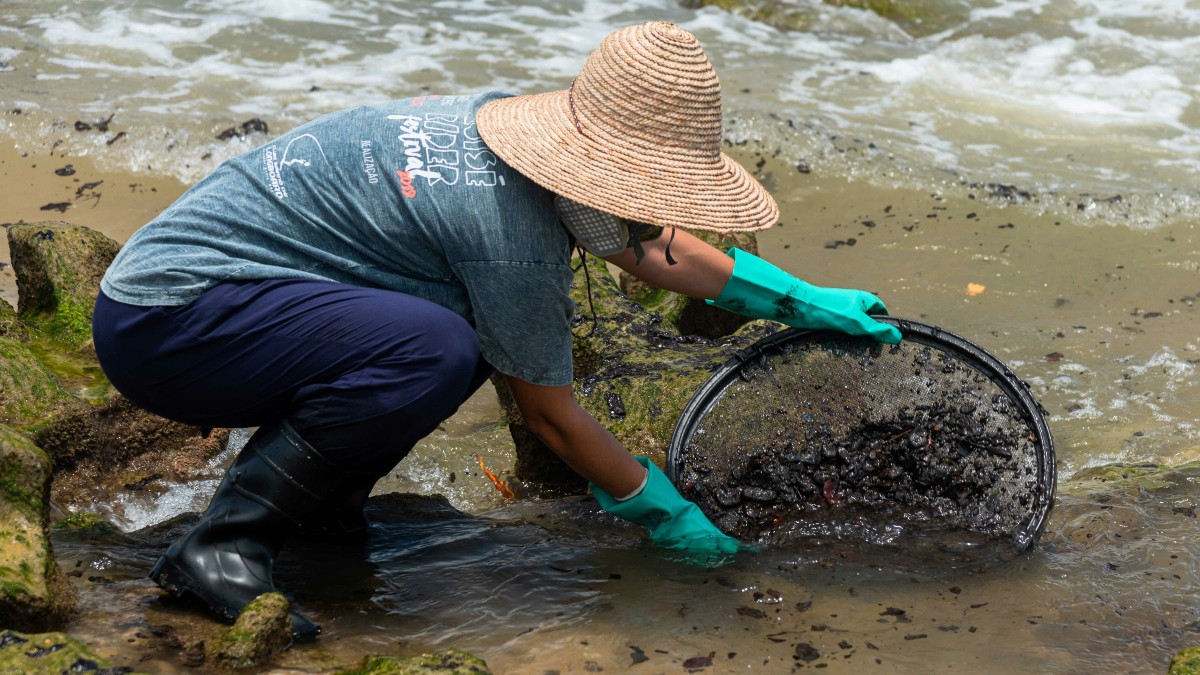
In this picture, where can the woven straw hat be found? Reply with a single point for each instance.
(637, 135)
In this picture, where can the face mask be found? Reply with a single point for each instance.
(601, 234)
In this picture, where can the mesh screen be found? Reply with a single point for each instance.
(851, 438)
(600, 233)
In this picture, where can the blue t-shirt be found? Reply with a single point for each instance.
(404, 196)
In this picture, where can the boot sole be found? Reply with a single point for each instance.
(179, 584)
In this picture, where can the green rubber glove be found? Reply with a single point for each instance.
(761, 290)
(673, 521)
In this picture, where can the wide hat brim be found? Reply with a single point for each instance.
(621, 174)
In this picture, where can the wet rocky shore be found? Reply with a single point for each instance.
(69, 443)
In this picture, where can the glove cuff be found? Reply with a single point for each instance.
(636, 491)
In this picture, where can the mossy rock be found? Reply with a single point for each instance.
(633, 373)
(1129, 496)
(917, 17)
(451, 662)
(30, 394)
(77, 370)
(58, 268)
(34, 595)
(48, 653)
(262, 630)
(1110, 478)
(117, 446)
(10, 324)
(1186, 662)
(775, 13)
(85, 522)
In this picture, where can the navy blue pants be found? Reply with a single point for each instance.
(362, 374)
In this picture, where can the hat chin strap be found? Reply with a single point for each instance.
(667, 250)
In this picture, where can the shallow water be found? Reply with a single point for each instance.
(530, 585)
(1046, 152)
(556, 585)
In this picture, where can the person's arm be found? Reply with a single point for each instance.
(745, 284)
(554, 416)
(629, 487)
(701, 271)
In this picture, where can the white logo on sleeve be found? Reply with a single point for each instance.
(299, 153)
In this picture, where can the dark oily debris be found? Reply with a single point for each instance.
(636, 655)
(699, 661)
(860, 441)
(101, 126)
(806, 652)
(250, 126)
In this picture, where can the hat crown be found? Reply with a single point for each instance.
(651, 84)
(637, 136)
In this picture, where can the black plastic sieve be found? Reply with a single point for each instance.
(814, 434)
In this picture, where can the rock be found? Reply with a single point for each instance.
(86, 522)
(29, 393)
(1128, 493)
(451, 662)
(34, 594)
(262, 630)
(1186, 662)
(48, 653)
(1123, 477)
(101, 450)
(10, 324)
(58, 268)
(48, 384)
(632, 372)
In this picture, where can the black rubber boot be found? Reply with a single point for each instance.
(277, 482)
(343, 518)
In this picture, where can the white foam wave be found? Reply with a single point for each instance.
(155, 41)
(1041, 83)
(132, 513)
(1092, 95)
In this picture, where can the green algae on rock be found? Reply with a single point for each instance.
(1186, 662)
(1125, 494)
(262, 630)
(34, 595)
(85, 522)
(1110, 477)
(48, 653)
(29, 393)
(632, 372)
(450, 662)
(10, 323)
(58, 268)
